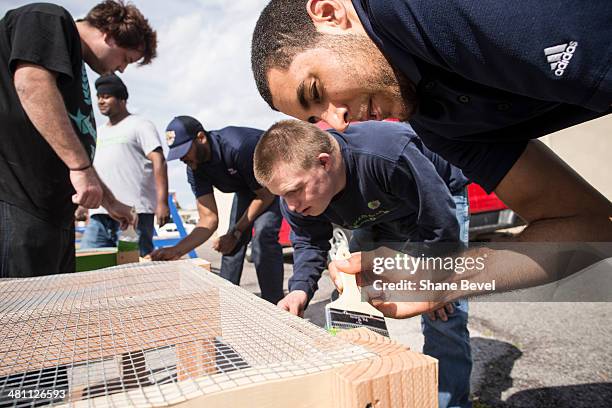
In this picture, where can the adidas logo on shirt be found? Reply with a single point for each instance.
(559, 56)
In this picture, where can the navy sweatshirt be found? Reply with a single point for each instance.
(230, 167)
(391, 178)
(491, 75)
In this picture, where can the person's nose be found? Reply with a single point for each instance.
(337, 117)
(293, 205)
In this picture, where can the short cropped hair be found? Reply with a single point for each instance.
(284, 29)
(126, 25)
(289, 141)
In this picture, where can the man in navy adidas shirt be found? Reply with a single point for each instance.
(477, 81)
(380, 181)
(224, 159)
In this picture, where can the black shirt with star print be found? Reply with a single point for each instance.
(32, 176)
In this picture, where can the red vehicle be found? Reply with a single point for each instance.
(283, 235)
(488, 213)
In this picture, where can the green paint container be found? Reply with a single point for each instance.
(95, 258)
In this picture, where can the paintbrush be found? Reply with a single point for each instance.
(349, 311)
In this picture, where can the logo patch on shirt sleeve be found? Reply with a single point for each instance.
(559, 56)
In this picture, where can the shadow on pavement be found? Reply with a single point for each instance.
(492, 375)
(491, 372)
(594, 395)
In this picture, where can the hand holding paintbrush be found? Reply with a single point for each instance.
(349, 311)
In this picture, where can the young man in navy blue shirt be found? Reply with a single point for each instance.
(379, 180)
(477, 83)
(224, 159)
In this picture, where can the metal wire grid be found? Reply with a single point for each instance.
(148, 335)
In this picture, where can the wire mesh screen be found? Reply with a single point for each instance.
(148, 335)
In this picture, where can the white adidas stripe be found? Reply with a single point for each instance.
(555, 50)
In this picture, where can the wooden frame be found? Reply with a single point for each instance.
(385, 374)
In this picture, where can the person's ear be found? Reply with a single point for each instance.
(329, 16)
(108, 40)
(201, 136)
(325, 160)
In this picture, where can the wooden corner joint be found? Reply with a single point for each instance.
(395, 378)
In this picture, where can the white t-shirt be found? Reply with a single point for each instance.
(122, 163)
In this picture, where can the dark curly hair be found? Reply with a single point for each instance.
(126, 25)
(284, 29)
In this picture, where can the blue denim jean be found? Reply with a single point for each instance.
(448, 342)
(102, 231)
(266, 251)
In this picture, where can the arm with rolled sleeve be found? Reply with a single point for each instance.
(310, 240)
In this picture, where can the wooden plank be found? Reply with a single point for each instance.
(89, 259)
(395, 378)
(202, 263)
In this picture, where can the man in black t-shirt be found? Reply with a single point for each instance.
(476, 83)
(48, 133)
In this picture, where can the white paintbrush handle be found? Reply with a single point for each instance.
(350, 298)
(350, 291)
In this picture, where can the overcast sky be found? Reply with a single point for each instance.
(202, 68)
